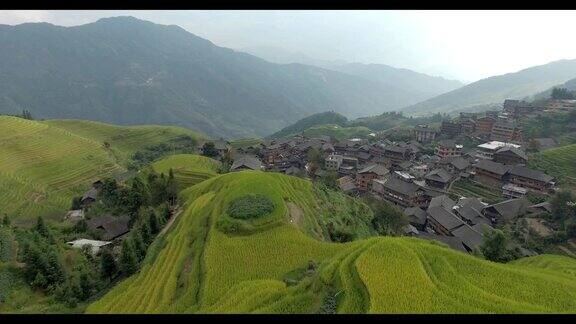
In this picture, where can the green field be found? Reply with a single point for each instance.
(197, 268)
(44, 164)
(559, 162)
(188, 169)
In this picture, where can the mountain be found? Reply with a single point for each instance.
(284, 262)
(496, 89)
(128, 71)
(417, 86)
(570, 85)
(282, 56)
(407, 87)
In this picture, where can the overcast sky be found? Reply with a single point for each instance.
(465, 45)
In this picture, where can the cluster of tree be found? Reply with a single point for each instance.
(135, 246)
(151, 191)
(42, 254)
(26, 114)
(547, 126)
(315, 161)
(564, 212)
(388, 220)
(562, 94)
(182, 144)
(209, 150)
(495, 247)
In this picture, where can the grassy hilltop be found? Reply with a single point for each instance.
(279, 263)
(43, 164)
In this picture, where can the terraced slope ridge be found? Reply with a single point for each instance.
(43, 164)
(189, 169)
(279, 263)
(558, 162)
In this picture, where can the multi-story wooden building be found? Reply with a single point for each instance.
(365, 176)
(424, 134)
(531, 179)
(490, 173)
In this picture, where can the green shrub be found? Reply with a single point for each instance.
(250, 206)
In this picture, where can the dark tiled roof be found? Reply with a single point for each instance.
(346, 183)
(442, 201)
(90, 194)
(525, 172)
(494, 167)
(248, 161)
(444, 217)
(116, 228)
(401, 186)
(375, 168)
(518, 152)
(458, 162)
(510, 209)
(470, 237)
(439, 175)
(416, 215)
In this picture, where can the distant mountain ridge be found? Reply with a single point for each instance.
(128, 71)
(496, 89)
(408, 87)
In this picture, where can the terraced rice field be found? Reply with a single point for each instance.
(559, 162)
(199, 269)
(189, 169)
(123, 140)
(42, 167)
(43, 164)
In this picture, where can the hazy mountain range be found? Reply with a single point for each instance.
(496, 89)
(128, 71)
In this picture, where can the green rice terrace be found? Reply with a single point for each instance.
(559, 162)
(283, 262)
(43, 164)
(188, 169)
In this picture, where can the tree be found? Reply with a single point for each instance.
(146, 233)
(153, 222)
(494, 246)
(563, 205)
(387, 219)
(171, 188)
(6, 220)
(76, 203)
(330, 180)
(209, 150)
(109, 193)
(561, 93)
(128, 258)
(43, 230)
(139, 245)
(107, 264)
(533, 145)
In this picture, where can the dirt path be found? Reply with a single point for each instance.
(295, 214)
(171, 221)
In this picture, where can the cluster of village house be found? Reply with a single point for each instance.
(399, 173)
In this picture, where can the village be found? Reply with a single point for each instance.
(416, 175)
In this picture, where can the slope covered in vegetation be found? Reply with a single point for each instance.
(43, 164)
(189, 169)
(282, 263)
(558, 162)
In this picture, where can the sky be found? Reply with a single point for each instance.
(463, 45)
